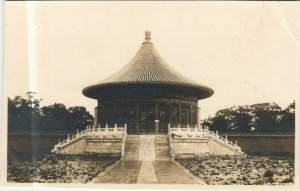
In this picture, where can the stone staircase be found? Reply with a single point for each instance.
(94, 140)
(189, 141)
(147, 147)
(132, 147)
(162, 150)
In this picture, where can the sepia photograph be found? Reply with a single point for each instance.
(151, 94)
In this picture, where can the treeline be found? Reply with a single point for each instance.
(26, 114)
(264, 117)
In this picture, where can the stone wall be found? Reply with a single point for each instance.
(94, 140)
(107, 146)
(76, 147)
(201, 146)
(189, 147)
(192, 141)
(218, 148)
(93, 145)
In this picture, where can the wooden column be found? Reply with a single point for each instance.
(191, 111)
(170, 114)
(103, 111)
(96, 116)
(115, 112)
(156, 111)
(137, 118)
(156, 118)
(179, 112)
(198, 115)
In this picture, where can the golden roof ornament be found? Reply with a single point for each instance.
(147, 36)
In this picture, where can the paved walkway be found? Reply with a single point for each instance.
(147, 172)
(122, 172)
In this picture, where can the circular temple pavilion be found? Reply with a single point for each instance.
(147, 94)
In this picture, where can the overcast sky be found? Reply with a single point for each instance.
(247, 52)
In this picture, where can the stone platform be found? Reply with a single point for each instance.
(147, 147)
(147, 160)
(179, 142)
(147, 172)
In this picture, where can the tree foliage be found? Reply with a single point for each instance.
(263, 117)
(25, 114)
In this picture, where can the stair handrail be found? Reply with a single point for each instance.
(203, 131)
(89, 131)
(171, 141)
(124, 141)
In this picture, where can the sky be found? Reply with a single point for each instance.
(248, 52)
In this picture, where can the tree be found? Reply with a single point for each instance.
(288, 118)
(80, 117)
(55, 117)
(267, 116)
(262, 117)
(25, 114)
(242, 119)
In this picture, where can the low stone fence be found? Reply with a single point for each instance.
(194, 140)
(94, 140)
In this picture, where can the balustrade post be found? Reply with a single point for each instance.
(178, 125)
(68, 138)
(217, 132)
(235, 143)
(207, 128)
(58, 141)
(106, 128)
(188, 126)
(226, 138)
(125, 128)
(169, 128)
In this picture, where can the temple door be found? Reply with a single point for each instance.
(147, 119)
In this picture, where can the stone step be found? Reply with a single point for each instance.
(132, 147)
(162, 150)
(147, 147)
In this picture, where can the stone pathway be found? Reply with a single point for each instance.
(147, 172)
(147, 148)
(170, 172)
(122, 172)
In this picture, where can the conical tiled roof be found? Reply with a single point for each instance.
(147, 67)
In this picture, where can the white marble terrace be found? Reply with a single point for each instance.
(95, 132)
(195, 132)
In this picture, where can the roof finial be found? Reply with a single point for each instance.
(147, 36)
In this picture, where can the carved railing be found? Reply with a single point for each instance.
(92, 131)
(195, 132)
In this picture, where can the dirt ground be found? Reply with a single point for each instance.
(50, 168)
(249, 170)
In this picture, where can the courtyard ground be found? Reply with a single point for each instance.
(51, 168)
(227, 170)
